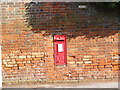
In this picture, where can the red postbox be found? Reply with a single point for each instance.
(60, 52)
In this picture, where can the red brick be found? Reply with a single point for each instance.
(102, 66)
(115, 69)
(115, 63)
(28, 59)
(28, 64)
(108, 66)
(19, 59)
(20, 65)
(35, 61)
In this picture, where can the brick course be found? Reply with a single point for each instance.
(27, 42)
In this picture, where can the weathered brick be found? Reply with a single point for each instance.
(88, 56)
(70, 58)
(71, 62)
(79, 62)
(101, 66)
(9, 65)
(28, 59)
(7, 68)
(39, 55)
(22, 57)
(87, 61)
(20, 65)
(37, 59)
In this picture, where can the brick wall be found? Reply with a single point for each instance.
(27, 42)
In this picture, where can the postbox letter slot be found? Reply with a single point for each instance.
(60, 47)
(60, 40)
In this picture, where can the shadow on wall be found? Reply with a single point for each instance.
(68, 19)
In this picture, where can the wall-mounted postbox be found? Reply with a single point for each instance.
(60, 53)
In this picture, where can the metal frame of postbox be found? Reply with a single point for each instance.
(60, 51)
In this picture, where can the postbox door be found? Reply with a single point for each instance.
(60, 54)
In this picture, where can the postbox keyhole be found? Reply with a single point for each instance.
(57, 61)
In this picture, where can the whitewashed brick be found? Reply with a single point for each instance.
(22, 57)
(88, 62)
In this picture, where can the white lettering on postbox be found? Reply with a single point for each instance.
(60, 47)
